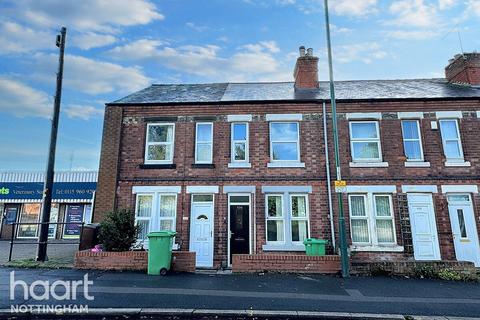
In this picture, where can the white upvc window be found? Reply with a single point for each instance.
(155, 212)
(275, 219)
(284, 141)
(299, 217)
(204, 142)
(239, 142)
(365, 141)
(452, 144)
(159, 146)
(371, 219)
(412, 140)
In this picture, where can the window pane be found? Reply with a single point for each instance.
(461, 223)
(299, 206)
(382, 205)
(385, 231)
(239, 131)
(452, 150)
(449, 129)
(275, 206)
(299, 230)
(458, 197)
(357, 206)
(143, 229)
(204, 132)
(166, 225)
(144, 207)
(412, 150)
(160, 133)
(239, 199)
(365, 150)
(167, 206)
(362, 130)
(204, 152)
(284, 151)
(360, 230)
(239, 151)
(275, 230)
(30, 213)
(410, 129)
(202, 198)
(159, 152)
(284, 131)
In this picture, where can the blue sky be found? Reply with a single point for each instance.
(115, 47)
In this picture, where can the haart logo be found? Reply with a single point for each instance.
(4, 191)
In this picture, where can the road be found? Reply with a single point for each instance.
(257, 292)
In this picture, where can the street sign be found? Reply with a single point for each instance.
(340, 186)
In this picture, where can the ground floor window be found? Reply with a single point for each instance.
(30, 213)
(75, 215)
(371, 219)
(155, 212)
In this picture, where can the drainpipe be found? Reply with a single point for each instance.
(329, 184)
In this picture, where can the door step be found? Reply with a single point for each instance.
(213, 271)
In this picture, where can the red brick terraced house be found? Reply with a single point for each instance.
(239, 170)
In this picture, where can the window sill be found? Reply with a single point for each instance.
(392, 248)
(157, 166)
(283, 247)
(239, 165)
(457, 164)
(286, 164)
(368, 164)
(203, 165)
(417, 164)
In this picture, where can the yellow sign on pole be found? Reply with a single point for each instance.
(340, 186)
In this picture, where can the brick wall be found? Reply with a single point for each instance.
(285, 263)
(464, 69)
(130, 260)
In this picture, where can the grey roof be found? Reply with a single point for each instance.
(285, 91)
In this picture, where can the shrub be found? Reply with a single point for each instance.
(449, 274)
(118, 231)
(425, 271)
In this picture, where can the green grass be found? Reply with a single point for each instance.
(32, 264)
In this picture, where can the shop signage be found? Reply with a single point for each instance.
(74, 218)
(34, 190)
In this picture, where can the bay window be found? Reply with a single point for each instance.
(159, 143)
(365, 141)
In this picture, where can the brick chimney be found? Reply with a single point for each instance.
(306, 70)
(464, 69)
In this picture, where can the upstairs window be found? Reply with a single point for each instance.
(159, 143)
(284, 141)
(452, 144)
(204, 143)
(412, 141)
(239, 145)
(365, 141)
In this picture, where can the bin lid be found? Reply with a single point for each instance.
(164, 233)
(314, 240)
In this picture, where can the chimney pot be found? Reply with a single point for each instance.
(310, 52)
(302, 51)
(306, 70)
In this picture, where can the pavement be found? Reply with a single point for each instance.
(252, 294)
(63, 250)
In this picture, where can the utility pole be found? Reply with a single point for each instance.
(341, 214)
(48, 186)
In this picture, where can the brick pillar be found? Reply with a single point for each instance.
(108, 171)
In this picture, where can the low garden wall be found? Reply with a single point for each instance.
(285, 263)
(183, 261)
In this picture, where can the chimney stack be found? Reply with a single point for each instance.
(306, 70)
(464, 69)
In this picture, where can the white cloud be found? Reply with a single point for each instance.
(91, 76)
(136, 50)
(86, 15)
(336, 29)
(84, 112)
(91, 40)
(474, 7)
(413, 13)
(196, 27)
(364, 52)
(21, 100)
(356, 8)
(412, 34)
(15, 38)
(445, 4)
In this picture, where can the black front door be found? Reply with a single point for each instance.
(239, 222)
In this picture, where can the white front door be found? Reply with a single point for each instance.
(424, 227)
(201, 233)
(465, 236)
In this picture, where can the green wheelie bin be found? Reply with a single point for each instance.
(315, 247)
(160, 252)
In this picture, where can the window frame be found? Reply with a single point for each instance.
(459, 140)
(147, 143)
(233, 142)
(149, 219)
(419, 139)
(357, 140)
(282, 218)
(174, 217)
(297, 141)
(197, 143)
(366, 217)
(306, 218)
(390, 218)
